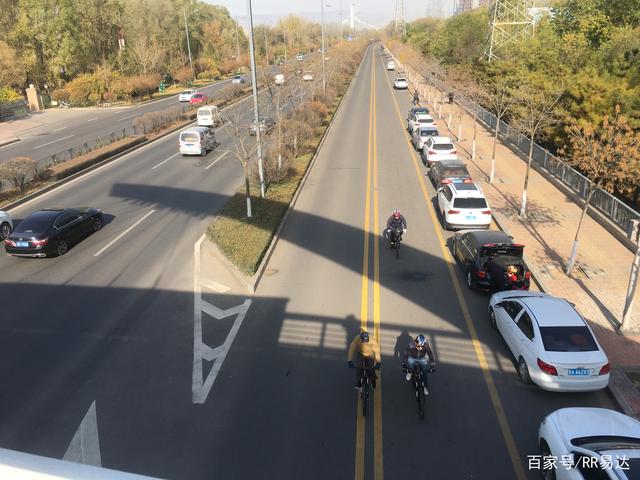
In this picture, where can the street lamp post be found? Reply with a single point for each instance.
(186, 28)
(254, 86)
(324, 78)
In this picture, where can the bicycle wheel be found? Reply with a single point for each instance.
(398, 250)
(419, 397)
(364, 395)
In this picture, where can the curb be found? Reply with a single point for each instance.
(625, 392)
(4, 143)
(254, 280)
(101, 163)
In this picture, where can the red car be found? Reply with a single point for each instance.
(198, 98)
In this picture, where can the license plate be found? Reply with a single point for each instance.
(470, 217)
(22, 244)
(580, 372)
(458, 180)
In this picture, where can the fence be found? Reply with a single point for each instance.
(11, 110)
(609, 206)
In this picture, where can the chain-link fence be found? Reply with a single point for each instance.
(611, 207)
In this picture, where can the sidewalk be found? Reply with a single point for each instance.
(598, 283)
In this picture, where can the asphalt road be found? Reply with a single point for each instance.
(111, 324)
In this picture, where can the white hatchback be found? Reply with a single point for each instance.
(400, 83)
(185, 95)
(421, 134)
(6, 224)
(419, 119)
(435, 149)
(589, 443)
(552, 344)
(462, 206)
(391, 65)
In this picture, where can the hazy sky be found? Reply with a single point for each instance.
(376, 12)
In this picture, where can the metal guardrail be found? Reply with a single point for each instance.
(608, 205)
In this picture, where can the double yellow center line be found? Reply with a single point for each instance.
(372, 172)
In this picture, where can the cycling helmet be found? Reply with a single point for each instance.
(421, 340)
(364, 336)
(396, 213)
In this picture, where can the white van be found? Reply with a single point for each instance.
(196, 141)
(279, 79)
(208, 116)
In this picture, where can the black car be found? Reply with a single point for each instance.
(449, 171)
(491, 260)
(51, 232)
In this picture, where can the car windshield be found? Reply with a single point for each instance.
(189, 137)
(568, 339)
(455, 172)
(425, 120)
(428, 133)
(400, 80)
(442, 146)
(34, 225)
(469, 203)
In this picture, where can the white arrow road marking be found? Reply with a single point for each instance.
(85, 444)
(201, 385)
(215, 286)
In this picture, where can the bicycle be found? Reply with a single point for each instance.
(417, 383)
(63, 104)
(103, 104)
(367, 382)
(395, 238)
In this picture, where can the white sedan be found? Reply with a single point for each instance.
(185, 95)
(552, 344)
(6, 224)
(400, 83)
(582, 443)
(391, 65)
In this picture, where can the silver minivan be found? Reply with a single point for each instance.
(196, 141)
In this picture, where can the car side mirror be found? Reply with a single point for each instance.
(440, 189)
(499, 305)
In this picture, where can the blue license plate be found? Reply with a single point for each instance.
(458, 180)
(470, 217)
(22, 244)
(579, 372)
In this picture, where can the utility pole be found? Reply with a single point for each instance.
(266, 45)
(400, 26)
(186, 28)
(324, 78)
(254, 85)
(633, 279)
(237, 40)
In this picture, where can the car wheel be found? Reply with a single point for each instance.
(523, 371)
(454, 250)
(62, 247)
(545, 451)
(470, 282)
(5, 231)
(444, 221)
(492, 318)
(97, 224)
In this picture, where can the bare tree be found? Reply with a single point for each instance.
(498, 97)
(243, 147)
(147, 54)
(18, 171)
(537, 109)
(601, 152)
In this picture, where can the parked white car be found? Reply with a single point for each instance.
(279, 79)
(421, 134)
(6, 224)
(185, 95)
(391, 65)
(238, 80)
(552, 344)
(462, 206)
(307, 76)
(419, 119)
(400, 83)
(435, 149)
(590, 443)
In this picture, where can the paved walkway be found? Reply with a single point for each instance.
(599, 281)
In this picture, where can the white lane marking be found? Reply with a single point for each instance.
(92, 119)
(222, 126)
(58, 129)
(215, 286)
(202, 352)
(53, 141)
(85, 444)
(216, 160)
(123, 234)
(128, 116)
(164, 161)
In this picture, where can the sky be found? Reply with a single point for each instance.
(375, 12)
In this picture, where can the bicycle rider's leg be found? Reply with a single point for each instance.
(358, 370)
(424, 366)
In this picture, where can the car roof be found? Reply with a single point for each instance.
(430, 128)
(551, 311)
(579, 422)
(466, 190)
(47, 213)
(441, 139)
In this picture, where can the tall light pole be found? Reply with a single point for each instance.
(254, 85)
(324, 78)
(186, 29)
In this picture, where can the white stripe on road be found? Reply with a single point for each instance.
(216, 160)
(123, 234)
(53, 141)
(222, 126)
(58, 129)
(128, 116)
(92, 119)
(164, 161)
(85, 444)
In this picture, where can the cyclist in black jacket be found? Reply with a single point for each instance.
(395, 222)
(419, 352)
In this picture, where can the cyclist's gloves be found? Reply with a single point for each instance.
(351, 365)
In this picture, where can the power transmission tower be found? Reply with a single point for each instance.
(400, 26)
(510, 22)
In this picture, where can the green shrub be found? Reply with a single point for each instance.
(8, 94)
